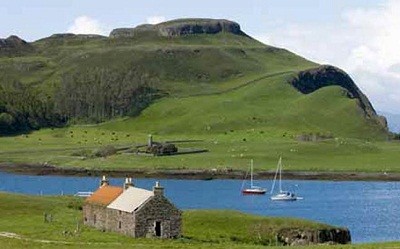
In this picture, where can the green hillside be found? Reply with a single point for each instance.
(266, 105)
(184, 79)
(69, 78)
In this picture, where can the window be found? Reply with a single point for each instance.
(158, 228)
(94, 219)
(119, 224)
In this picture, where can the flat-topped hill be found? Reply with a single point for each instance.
(181, 27)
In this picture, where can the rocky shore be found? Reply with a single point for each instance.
(301, 237)
(202, 174)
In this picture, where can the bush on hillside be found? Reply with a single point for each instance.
(82, 153)
(314, 137)
(75, 204)
(105, 151)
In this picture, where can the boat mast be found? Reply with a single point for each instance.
(251, 173)
(276, 174)
(244, 180)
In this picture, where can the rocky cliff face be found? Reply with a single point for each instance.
(181, 27)
(297, 237)
(198, 26)
(311, 80)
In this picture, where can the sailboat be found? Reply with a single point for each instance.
(253, 190)
(282, 195)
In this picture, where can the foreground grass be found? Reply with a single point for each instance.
(12, 243)
(24, 216)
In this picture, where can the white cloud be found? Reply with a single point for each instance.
(365, 43)
(155, 19)
(86, 25)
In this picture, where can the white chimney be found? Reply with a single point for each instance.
(104, 181)
(128, 183)
(158, 190)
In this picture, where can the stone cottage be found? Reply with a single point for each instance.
(132, 211)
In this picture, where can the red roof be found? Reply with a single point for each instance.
(105, 195)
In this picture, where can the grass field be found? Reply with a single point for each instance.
(226, 152)
(22, 217)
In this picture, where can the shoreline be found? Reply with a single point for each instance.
(199, 174)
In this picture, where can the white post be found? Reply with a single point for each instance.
(251, 173)
(280, 174)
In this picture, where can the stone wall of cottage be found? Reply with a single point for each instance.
(121, 222)
(158, 209)
(95, 216)
(107, 219)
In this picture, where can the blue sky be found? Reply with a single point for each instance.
(36, 19)
(360, 36)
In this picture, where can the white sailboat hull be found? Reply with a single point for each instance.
(285, 197)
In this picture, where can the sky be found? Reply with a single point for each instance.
(359, 36)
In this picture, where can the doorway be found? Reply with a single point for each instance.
(158, 228)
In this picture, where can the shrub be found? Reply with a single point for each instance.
(105, 151)
(83, 152)
(75, 204)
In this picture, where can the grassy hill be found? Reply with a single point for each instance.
(70, 77)
(184, 79)
(264, 105)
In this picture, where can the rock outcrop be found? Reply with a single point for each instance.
(313, 79)
(138, 31)
(297, 237)
(65, 37)
(12, 42)
(70, 35)
(198, 26)
(181, 27)
(13, 45)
